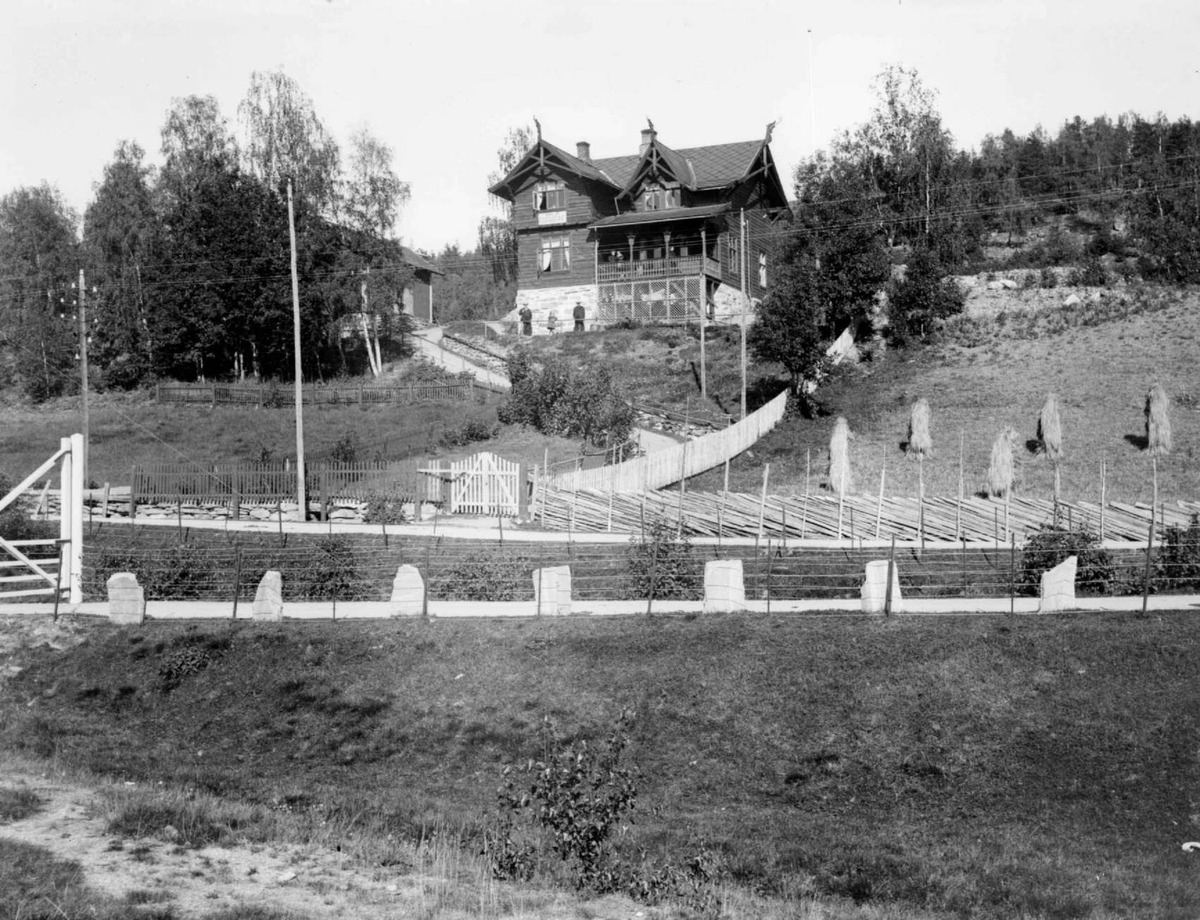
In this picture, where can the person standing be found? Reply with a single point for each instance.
(579, 315)
(552, 322)
(526, 320)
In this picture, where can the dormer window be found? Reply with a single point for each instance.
(549, 196)
(655, 198)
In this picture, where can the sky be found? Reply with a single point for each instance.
(442, 81)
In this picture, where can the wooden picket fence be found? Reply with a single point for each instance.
(284, 396)
(482, 484)
(273, 483)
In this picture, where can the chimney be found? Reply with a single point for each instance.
(647, 138)
(583, 150)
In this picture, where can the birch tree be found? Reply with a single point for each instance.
(373, 199)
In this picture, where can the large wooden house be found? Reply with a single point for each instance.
(657, 237)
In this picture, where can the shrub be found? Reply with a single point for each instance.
(182, 571)
(577, 795)
(923, 299)
(332, 573)
(346, 449)
(660, 565)
(1095, 575)
(385, 508)
(15, 523)
(468, 432)
(484, 577)
(1048, 277)
(554, 399)
(1178, 564)
(1091, 274)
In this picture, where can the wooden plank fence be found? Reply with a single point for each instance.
(284, 396)
(861, 517)
(663, 467)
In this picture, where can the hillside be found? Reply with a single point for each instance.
(131, 428)
(995, 371)
(993, 368)
(926, 767)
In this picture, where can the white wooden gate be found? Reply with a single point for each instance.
(485, 484)
(25, 563)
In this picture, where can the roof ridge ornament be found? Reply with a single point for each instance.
(770, 129)
(538, 124)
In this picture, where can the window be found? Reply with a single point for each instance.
(549, 196)
(555, 254)
(733, 254)
(762, 269)
(659, 199)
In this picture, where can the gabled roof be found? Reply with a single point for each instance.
(714, 166)
(659, 159)
(416, 260)
(543, 155)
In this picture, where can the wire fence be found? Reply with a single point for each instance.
(209, 565)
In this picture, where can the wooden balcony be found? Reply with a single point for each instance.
(646, 269)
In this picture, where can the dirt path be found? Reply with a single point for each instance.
(206, 880)
(309, 881)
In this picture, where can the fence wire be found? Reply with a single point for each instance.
(208, 565)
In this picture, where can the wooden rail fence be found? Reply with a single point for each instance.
(861, 517)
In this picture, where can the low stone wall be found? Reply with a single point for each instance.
(346, 511)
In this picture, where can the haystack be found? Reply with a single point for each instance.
(920, 442)
(839, 457)
(1049, 430)
(1000, 471)
(1158, 421)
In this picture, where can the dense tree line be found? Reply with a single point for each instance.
(896, 189)
(187, 265)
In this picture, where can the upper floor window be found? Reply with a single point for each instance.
(762, 269)
(655, 198)
(733, 254)
(555, 253)
(549, 196)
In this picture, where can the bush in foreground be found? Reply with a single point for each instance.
(1095, 575)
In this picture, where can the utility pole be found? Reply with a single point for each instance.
(83, 371)
(300, 496)
(745, 300)
(812, 95)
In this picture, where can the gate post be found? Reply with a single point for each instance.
(70, 527)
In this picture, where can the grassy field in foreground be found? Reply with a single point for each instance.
(948, 767)
(129, 429)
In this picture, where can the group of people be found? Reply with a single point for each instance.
(579, 314)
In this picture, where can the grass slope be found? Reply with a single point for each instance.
(1100, 372)
(925, 767)
(129, 429)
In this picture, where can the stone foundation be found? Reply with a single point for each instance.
(727, 305)
(560, 300)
